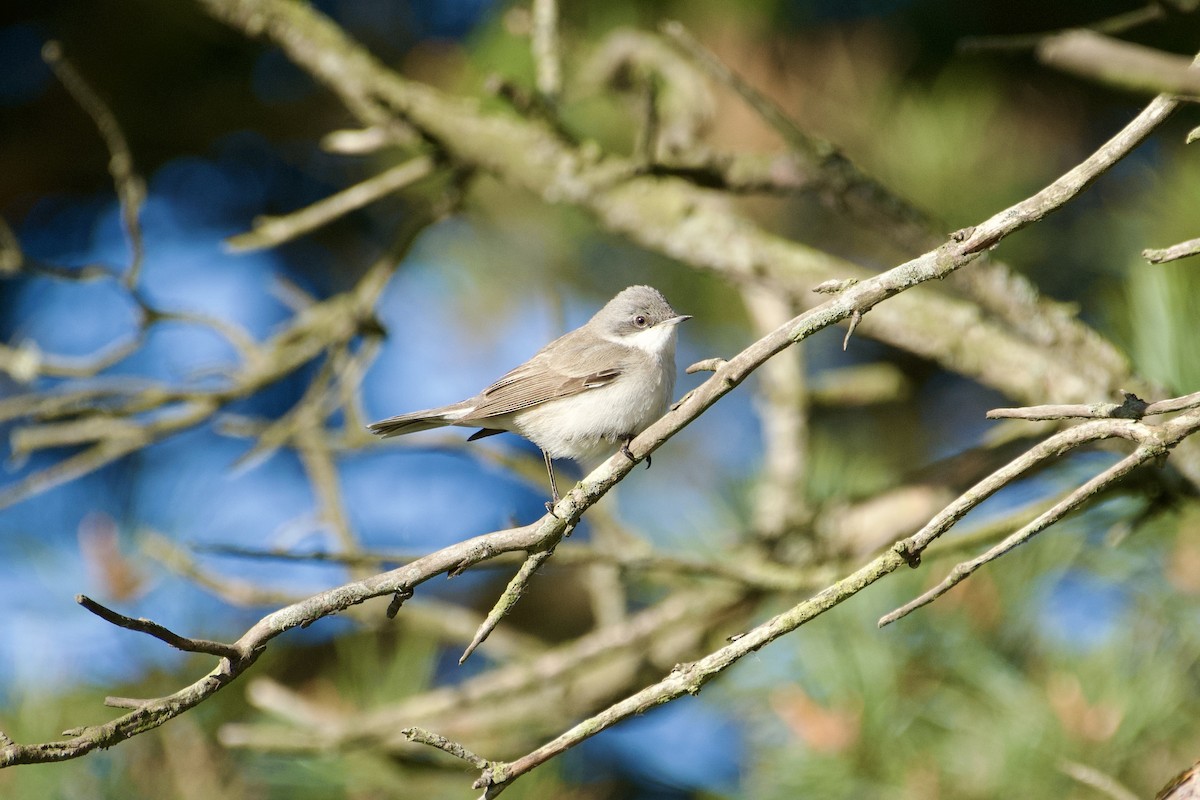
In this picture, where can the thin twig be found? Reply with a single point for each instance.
(690, 678)
(131, 190)
(1176, 251)
(1118, 23)
(151, 628)
(11, 257)
(1076, 499)
(1052, 447)
(546, 56)
(272, 231)
(1133, 407)
(507, 600)
(1093, 778)
(1153, 443)
(779, 504)
(1119, 64)
(422, 736)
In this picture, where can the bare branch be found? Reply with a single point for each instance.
(1118, 23)
(779, 505)
(422, 736)
(546, 55)
(1176, 251)
(1073, 501)
(243, 653)
(11, 257)
(272, 231)
(1133, 407)
(1153, 443)
(690, 678)
(507, 600)
(1094, 778)
(131, 190)
(1120, 64)
(158, 631)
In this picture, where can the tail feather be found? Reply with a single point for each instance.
(416, 421)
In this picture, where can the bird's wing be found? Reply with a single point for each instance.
(533, 383)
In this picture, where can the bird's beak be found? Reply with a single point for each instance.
(679, 319)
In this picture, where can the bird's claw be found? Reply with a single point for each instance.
(625, 451)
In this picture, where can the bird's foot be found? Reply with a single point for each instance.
(625, 451)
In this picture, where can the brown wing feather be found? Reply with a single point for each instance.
(532, 383)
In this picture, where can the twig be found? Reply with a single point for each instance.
(766, 108)
(707, 365)
(422, 736)
(546, 56)
(750, 571)
(308, 436)
(131, 190)
(551, 688)
(1095, 779)
(1077, 498)
(234, 591)
(1118, 23)
(1183, 403)
(272, 231)
(507, 600)
(1176, 251)
(316, 330)
(690, 678)
(816, 164)
(645, 146)
(146, 626)
(779, 504)
(1133, 407)
(11, 257)
(1119, 64)
(1052, 447)
(1153, 443)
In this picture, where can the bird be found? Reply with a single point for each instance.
(581, 395)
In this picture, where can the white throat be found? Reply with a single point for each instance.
(655, 341)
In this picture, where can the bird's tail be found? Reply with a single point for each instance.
(416, 421)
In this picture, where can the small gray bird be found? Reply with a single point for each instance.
(599, 385)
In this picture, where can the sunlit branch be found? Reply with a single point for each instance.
(1176, 251)
(272, 231)
(1122, 65)
(1154, 442)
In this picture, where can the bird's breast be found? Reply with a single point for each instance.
(587, 426)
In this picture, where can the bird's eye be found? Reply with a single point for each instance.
(640, 321)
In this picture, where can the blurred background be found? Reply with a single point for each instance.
(1077, 652)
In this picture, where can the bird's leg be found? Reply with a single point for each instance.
(553, 486)
(625, 451)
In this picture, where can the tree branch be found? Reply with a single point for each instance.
(1173, 253)
(1154, 442)
(1120, 64)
